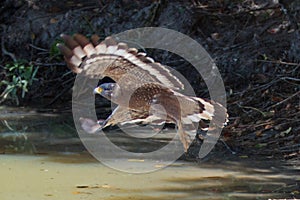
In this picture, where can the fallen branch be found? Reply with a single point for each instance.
(281, 102)
(279, 62)
(4, 51)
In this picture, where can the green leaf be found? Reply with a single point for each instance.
(20, 76)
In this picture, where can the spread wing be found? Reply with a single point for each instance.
(123, 116)
(114, 60)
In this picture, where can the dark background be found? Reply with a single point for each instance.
(256, 45)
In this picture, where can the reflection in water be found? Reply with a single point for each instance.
(61, 168)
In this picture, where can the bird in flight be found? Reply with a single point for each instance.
(145, 91)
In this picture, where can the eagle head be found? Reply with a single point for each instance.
(107, 90)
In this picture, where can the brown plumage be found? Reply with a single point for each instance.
(141, 85)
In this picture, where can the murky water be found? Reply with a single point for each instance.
(81, 177)
(57, 166)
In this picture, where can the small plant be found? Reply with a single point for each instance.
(18, 77)
(54, 51)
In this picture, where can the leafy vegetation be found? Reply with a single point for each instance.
(19, 76)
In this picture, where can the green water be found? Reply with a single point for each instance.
(79, 176)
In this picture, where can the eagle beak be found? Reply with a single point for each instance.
(98, 90)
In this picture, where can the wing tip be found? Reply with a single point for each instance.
(212, 111)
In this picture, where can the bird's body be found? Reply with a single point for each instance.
(145, 91)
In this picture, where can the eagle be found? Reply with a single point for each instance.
(145, 91)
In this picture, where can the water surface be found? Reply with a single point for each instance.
(42, 158)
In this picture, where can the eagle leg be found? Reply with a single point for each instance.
(184, 137)
(105, 123)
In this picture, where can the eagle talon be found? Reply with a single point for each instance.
(89, 125)
(103, 123)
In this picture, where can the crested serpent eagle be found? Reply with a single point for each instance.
(145, 91)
